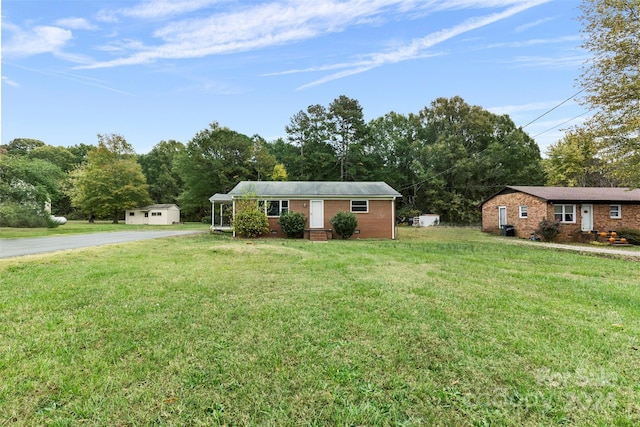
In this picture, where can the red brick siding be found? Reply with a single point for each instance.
(536, 210)
(377, 223)
(539, 209)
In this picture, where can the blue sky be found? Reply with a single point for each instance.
(154, 70)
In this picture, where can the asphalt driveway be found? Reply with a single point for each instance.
(38, 245)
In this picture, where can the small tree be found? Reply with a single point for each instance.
(250, 219)
(344, 223)
(548, 229)
(292, 223)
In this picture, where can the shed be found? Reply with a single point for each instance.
(159, 214)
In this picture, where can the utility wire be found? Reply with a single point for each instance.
(567, 121)
(544, 114)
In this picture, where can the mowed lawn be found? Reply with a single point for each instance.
(444, 327)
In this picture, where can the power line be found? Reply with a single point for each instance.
(544, 114)
(567, 121)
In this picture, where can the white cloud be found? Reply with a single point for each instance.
(533, 106)
(536, 42)
(565, 61)
(417, 47)
(37, 40)
(245, 28)
(75, 24)
(8, 81)
(533, 24)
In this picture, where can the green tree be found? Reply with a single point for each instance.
(59, 156)
(21, 146)
(466, 153)
(27, 188)
(347, 134)
(110, 181)
(394, 139)
(612, 82)
(158, 166)
(279, 173)
(262, 159)
(309, 132)
(574, 162)
(214, 161)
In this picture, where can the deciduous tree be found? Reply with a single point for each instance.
(110, 181)
(612, 82)
(214, 161)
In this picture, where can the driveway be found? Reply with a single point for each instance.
(600, 250)
(39, 245)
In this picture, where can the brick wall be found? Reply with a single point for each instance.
(536, 211)
(377, 223)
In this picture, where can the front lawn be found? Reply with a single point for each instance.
(441, 327)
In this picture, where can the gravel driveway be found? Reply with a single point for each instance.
(38, 245)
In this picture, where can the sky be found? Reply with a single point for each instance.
(154, 70)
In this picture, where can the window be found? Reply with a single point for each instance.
(523, 212)
(132, 214)
(564, 213)
(359, 206)
(276, 207)
(615, 211)
(156, 213)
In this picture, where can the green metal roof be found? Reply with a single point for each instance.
(309, 189)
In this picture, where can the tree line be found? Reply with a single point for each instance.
(445, 159)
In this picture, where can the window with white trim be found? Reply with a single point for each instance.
(523, 211)
(361, 206)
(615, 211)
(564, 213)
(276, 207)
(132, 214)
(156, 213)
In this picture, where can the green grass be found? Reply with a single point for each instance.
(441, 327)
(81, 227)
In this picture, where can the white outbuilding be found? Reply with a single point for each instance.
(161, 214)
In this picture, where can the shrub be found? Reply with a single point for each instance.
(21, 216)
(344, 223)
(548, 229)
(632, 235)
(250, 220)
(292, 223)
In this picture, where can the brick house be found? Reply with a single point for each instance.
(579, 209)
(372, 202)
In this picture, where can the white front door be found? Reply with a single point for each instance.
(502, 216)
(316, 214)
(587, 217)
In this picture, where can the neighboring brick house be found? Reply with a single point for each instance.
(372, 202)
(579, 209)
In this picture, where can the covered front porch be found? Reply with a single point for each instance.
(221, 212)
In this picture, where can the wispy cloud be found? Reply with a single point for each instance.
(417, 47)
(533, 24)
(535, 42)
(572, 61)
(34, 41)
(524, 108)
(8, 81)
(245, 28)
(75, 24)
